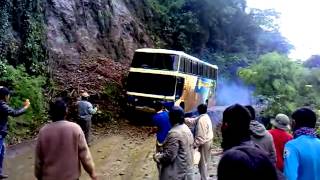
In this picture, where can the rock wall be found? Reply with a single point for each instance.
(95, 27)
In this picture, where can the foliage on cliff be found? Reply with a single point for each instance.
(22, 60)
(22, 35)
(25, 87)
(223, 32)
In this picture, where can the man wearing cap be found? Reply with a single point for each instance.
(280, 136)
(5, 111)
(85, 110)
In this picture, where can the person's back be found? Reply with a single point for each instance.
(161, 121)
(181, 163)
(60, 144)
(85, 109)
(280, 138)
(246, 163)
(263, 138)
(205, 125)
(303, 154)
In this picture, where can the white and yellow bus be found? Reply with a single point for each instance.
(172, 77)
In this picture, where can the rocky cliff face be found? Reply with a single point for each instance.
(96, 28)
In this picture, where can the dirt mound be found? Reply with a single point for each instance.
(101, 77)
(93, 74)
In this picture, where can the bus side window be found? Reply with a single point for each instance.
(182, 65)
(200, 69)
(211, 73)
(195, 68)
(175, 62)
(215, 73)
(188, 69)
(186, 65)
(206, 71)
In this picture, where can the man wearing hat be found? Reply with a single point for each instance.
(85, 110)
(5, 111)
(281, 124)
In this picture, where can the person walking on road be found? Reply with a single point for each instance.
(261, 136)
(176, 158)
(61, 148)
(302, 154)
(85, 110)
(281, 124)
(203, 136)
(5, 111)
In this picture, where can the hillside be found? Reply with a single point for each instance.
(59, 47)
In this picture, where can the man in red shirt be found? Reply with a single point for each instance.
(280, 136)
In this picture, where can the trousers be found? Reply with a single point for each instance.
(204, 159)
(85, 125)
(2, 152)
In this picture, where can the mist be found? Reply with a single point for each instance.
(230, 92)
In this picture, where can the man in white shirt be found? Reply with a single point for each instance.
(203, 136)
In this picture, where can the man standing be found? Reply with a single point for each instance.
(5, 111)
(61, 148)
(203, 136)
(280, 136)
(85, 110)
(242, 158)
(302, 154)
(235, 128)
(261, 136)
(162, 123)
(176, 158)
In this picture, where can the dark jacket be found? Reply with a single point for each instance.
(264, 139)
(5, 112)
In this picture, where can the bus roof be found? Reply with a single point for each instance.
(180, 53)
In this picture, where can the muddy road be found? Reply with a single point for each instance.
(121, 152)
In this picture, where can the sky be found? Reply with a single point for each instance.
(299, 23)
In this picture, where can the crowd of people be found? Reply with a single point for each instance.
(250, 151)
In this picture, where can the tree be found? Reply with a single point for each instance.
(221, 32)
(278, 79)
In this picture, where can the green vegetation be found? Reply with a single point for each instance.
(223, 32)
(22, 58)
(22, 18)
(286, 84)
(219, 31)
(25, 87)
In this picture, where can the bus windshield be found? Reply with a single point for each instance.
(155, 61)
(155, 84)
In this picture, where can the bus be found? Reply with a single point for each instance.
(171, 77)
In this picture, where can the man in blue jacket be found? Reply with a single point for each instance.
(302, 154)
(5, 111)
(162, 123)
(86, 110)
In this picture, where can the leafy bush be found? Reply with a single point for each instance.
(25, 87)
(286, 84)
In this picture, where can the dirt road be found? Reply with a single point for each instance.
(120, 151)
